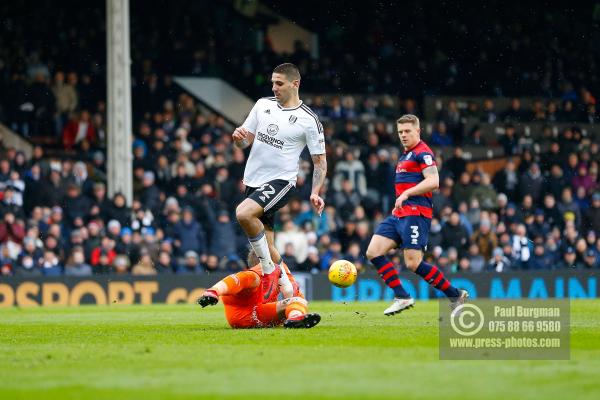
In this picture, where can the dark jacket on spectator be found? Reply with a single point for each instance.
(455, 236)
(190, 237)
(121, 214)
(591, 221)
(223, 241)
(76, 207)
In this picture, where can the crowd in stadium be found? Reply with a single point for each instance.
(541, 211)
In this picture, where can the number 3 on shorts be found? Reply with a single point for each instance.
(415, 234)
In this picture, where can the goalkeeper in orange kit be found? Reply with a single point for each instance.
(248, 305)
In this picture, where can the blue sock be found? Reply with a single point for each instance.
(388, 273)
(436, 278)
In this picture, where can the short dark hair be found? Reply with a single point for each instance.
(289, 70)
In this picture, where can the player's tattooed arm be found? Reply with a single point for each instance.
(319, 173)
(430, 182)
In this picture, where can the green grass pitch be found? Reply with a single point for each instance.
(182, 352)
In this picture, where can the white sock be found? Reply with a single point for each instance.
(285, 285)
(261, 248)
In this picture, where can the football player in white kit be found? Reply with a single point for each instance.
(278, 128)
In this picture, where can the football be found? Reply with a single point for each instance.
(342, 273)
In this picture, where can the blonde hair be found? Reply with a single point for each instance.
(409, 119)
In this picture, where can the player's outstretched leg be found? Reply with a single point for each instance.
(435, 277)
(296, 313)
(230, 285)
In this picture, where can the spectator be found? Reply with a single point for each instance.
(353, 170)
(189, 235)
(144, 267)
(150, 196)
(454, 234)
(191, 263)
(463, 190)
(291, 234)
(592, 215)
(347, 199)
(50, 264)
(12, 232)
(499, 262)
(76, 265)
(484, 192)
(568, 205)
(289, 256)
(521, 252)
(76, 205)
(312, 263)
(440, 137)
(510, 141)
(591, 260)
(103, 256)
(66, 99)
(121, 264)
(457, 164)
(556, 182)
(507, 181)
(223, 243)
(569, 260)
(532, 183)
(165, 263)
(485, 239)
(78, 130)
(119, 211)
(476, 262)
(540, 258)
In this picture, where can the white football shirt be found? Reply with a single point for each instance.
(280, 135)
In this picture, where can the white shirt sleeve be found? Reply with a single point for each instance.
(315, 139)
(251, 122)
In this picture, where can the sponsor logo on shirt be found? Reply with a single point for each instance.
(270, 140)
(272, 129)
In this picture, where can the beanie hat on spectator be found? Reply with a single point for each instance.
(147, 230)
(191, 254)
(569, 216)
(113, 223)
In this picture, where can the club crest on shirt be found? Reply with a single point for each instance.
(293, 119)
(272, 129)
